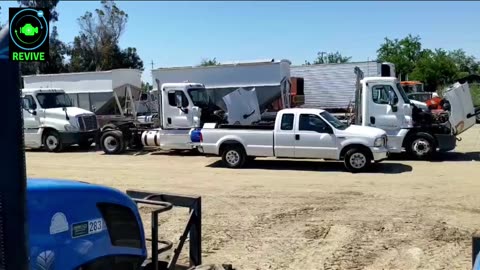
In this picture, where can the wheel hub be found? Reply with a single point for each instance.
(421, 147)
(358, 160)
(52, 142)
(110, 143)
(232, 157)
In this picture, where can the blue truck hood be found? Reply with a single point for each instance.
(72, 224)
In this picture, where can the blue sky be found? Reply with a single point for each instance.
(182, 33)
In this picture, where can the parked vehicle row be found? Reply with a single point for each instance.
(183, 116)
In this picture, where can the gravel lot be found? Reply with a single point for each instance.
(281, 214)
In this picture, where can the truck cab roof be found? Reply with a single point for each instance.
(42, 90)
(379, 79)
(182, 85)
(302, 110)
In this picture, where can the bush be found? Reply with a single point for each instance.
(475, 90)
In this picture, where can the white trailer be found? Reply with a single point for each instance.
(102, 92)
(270, 78)
(332, 86)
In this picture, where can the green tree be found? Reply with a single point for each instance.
(96, 47)
(435, 69)
(404, 53)
(467, 64)
(209, 62)
(146, 87)
(329, 58)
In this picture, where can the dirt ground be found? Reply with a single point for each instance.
(280, 214)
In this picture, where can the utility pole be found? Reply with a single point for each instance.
(151, 63)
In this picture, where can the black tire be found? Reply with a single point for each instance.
(421, 146)
(52, 142)
(357, 160)
(112, 142)
(234, 156)
(85, 144)
(478, 118)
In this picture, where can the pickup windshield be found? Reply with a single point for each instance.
(199, 96)
(54, 100)
(333, 120)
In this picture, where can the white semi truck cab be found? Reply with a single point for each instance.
(51, 122)
(383, 103)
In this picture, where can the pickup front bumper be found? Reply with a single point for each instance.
(379, 154)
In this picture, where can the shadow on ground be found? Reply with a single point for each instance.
(319, 166)
(442, 157)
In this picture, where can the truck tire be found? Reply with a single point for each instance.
(234, 156)
(357, 160)
(52, 141)
(112, 142)
(421, 146)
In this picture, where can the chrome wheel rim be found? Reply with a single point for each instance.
(232, 157)
(110, 143)
(358, 160)
(421, 146)
(52, 142)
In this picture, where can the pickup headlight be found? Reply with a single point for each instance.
(69, 128)
(379, 142)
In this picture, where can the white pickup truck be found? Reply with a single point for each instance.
(297, 133)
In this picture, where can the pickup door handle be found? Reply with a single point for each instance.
(297, 137)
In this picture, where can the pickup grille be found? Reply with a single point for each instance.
(87, 122)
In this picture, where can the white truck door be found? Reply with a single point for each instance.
(382, 113)
(284, 142)
(176, 117)
(31, 122)
(461, 102)
(314, 138)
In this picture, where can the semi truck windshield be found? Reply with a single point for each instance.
(199, 96)
(333, 120)
(54, 100)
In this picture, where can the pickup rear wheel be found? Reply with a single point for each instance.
(234, 156)
(357, 160)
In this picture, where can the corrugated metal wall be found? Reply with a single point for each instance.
(332, 86)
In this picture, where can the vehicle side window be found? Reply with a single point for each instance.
(28, 103)
(381, 93)
(311, 122)
(171, 99)
(287, 121)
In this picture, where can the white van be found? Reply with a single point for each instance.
(50, 121)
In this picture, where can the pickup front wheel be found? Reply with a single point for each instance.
(234, 156)
(357, 160)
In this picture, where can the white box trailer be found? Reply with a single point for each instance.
(269, 78)
(92, 91)
(332, 86)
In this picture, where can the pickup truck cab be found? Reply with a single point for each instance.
(296, 133)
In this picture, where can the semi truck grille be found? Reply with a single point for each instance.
(87, 122)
